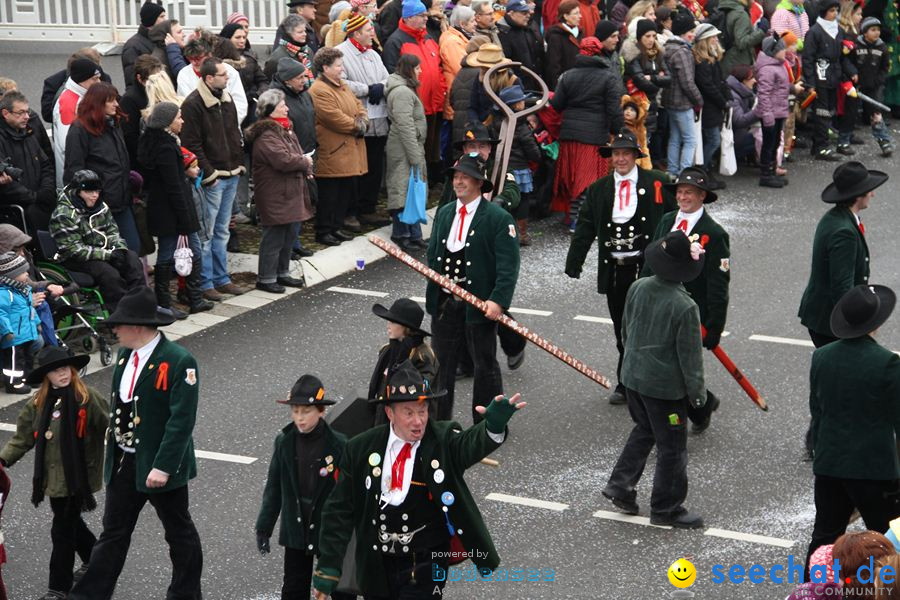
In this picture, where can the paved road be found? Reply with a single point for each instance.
(746, 472)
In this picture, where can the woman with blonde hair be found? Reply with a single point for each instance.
(716, 96)
(159, 88)
(641, 8)
(65, 423)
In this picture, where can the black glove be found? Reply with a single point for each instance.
(262, 543)
(763, 24)
(376, 93)
(573, 274)
(712, 339)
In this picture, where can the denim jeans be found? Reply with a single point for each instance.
(219, 200)
(166, 244)
(399, 229)
(128, 229)
(712, 139)
(682, 141)
(880, 132)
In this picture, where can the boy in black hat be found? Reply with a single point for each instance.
(662, 373)
(855, 404)
(301, 476)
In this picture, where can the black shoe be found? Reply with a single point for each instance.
(628, 507)
(515, 361)
(53, 595)
(17, 388)
(178, 314)
(272, 288)
(826, 154)
(800, 143)
(202, 306)
(846, 150)
(328, 240)
(292, 282)
(233, 245)
(617, 398)
(405, 244)
(79, 573)
(342, 235)
(771, 181)
(682, 520)
(713, 407)
(301, 252)
(373, 221)
(419, 243)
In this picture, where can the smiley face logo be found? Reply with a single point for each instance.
(682, 573)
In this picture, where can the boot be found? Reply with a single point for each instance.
(524, 238)
(233, 244)
(161, 277)
(887, 147)
(193, 283)
(768, 178)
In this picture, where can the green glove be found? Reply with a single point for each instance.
(325, 579)
(498, 415)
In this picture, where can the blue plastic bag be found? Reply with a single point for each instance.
(416, 195)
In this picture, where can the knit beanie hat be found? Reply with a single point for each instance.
(412, 8)
(150, 11)
(826, 4)
(643, 27)
(288, 68)
(237, 17)
(229, 30)
(83, 69)
(683, 22)
(355, 22)
(604, 30)
(868, 22)
(355, 4)
(12, 265)
(789, 37)
(162, 116)
(772, 45)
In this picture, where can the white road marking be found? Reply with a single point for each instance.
(531, 311)
(527, 501)
(781, 340)
(356, 292)
(235, 458)
(623, 518)
(750, 537)
(603, 320)
(419, 299)
(7, 427)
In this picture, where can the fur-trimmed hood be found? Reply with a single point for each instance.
(252, 133)
(631, 50)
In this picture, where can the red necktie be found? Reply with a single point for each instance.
(683, 226)
(624, 194)
(862, 228)
(133, 376)
(399, 464)
(462, 221)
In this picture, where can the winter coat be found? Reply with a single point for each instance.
(824, 54)
(588, 97)
(742, 101)
(406, 139)
(169, 55)
(279, 174)
(521, 44)
(432, 86)
(361, 71)
(638, 128)
(17, 317)
(562, 48)
(590, 15)
(53, 87)
(453, 50)
(132, 102)
(637, 66)
(745, 37)
(341, 153)
(38, 182)
(211, 132)
(301, 113)
(389, 18)
(24, 440)
(873, 62)
(461, 97)
(105, 155)
(790, 17)
(716, 95)
(282, 51)
(170, 204)
(64, 113)
(525, 149)
(683, 93)
(138, 44)
(81, 236)
(772, 89)
(492, 33)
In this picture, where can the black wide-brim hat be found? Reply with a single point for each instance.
(624, 140)
(851, 180)
(404, 311)
(51, 358)
(670, 258)
(696, 177)
(308, 391)
(406, 384)
(862, 310)
(138, 307)
(475, 131)
(299, 2)
(474, 167)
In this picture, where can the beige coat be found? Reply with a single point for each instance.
(341, 153)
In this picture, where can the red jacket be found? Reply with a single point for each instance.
(432, 86)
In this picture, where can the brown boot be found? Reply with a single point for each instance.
(524, 238)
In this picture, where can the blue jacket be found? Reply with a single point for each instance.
(17, 317)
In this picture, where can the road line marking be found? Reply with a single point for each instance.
(603, 320)
(243, 460)
(530, 311)
(356, 292)
(7, 427)
(782, 340)
(419, 299)
(750, 537)
(527, 501)
(623, 518)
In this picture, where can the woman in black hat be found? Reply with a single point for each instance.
(406, 341)
(65, 422)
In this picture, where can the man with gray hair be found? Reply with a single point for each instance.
(484, 20)
(292, 44)
(520, 42)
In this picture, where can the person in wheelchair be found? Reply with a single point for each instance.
(88, 239)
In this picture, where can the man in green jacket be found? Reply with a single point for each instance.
(840, 255)
(475, 243)
(401, 489)
(663, 373)
(744, 37)
(621, 211)
(149, 450)
(854, 399)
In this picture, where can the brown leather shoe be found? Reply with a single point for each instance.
(232, 288)
(212, 294)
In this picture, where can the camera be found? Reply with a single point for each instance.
(7, 168)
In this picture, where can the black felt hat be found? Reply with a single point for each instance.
(138, 307)
(862, 310)
(404, 311)
(405, 384)
(670, 258)
(473, 166)
(307, 391)
(851, 180)
(51, 358)
(475, 131)
(696, 177)
(624, 140)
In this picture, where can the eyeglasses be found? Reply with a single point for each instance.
(19, 113)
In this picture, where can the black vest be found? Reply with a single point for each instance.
(123, 422)
(416, 525)
(454, 266)
(629, 236)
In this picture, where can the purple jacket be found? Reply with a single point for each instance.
(772, 89)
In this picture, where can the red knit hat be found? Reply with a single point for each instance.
(590, 46)
(188, 157)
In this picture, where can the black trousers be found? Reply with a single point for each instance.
(451, 334)
(112, 281)
(622, 278)
(123, 507)
(70, 536)
(659, 423)
(336, 196)
(771, 138)
(876, 501)
(414, 577)
(298, 569)
(370, 183)
(822, 113)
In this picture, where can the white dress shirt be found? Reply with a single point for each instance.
(455, 242)
(143, 354)
(394, 446)
(690, 219)
(625, 204)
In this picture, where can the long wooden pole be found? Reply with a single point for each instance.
(737, 374)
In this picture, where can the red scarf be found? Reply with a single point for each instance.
(359, 46)
(417, 34)
(283, 121)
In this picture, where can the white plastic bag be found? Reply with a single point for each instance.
(698, 135)
(183, 257)
(727, 160)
